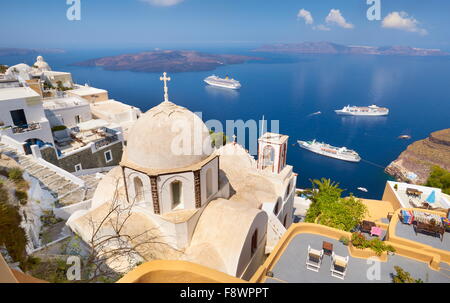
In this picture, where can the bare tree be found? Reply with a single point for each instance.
(113, 249)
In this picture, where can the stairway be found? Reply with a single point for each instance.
(275, 230)
(62, 189)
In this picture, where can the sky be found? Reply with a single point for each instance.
(161, 23)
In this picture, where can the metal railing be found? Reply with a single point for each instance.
(106, 141)
(25, 128)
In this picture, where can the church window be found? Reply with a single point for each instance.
(254, 242)
(268, 156)
(138, 189)
(209, 181)
(276, 209)
(175, 189)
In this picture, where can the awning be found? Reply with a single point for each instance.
(431, 198)
(92, 124)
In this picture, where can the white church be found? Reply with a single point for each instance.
(217, 207)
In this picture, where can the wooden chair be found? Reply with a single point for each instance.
(366, 226)
(339, 266)
(314, 259)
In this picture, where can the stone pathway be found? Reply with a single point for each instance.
(63, 190)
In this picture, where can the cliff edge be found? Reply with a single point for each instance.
(414, 164)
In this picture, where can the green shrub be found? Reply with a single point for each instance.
(439, 178)
(344, 240)
(22, 196)
(58, 128)
(328, 208)
(403, 276)
(375, 244)
(15, 174)
(12, 235)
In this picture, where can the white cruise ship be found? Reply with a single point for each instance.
(341, 153)
(226, 83)
(371, 110)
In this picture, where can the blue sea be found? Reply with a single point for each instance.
(289, 88)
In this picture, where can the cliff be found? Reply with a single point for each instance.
(420, 156)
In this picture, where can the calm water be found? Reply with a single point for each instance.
(289, 89)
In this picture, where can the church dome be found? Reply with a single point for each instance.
(168, 136)
(41, 64)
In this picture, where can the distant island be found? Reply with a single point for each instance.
(415, 163)
(4, 51)
(166, 60)
(333, 48)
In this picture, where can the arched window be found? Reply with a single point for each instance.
(138, 189)
(268, 156)
(254, 242)
(276, 209)
(288, 190)
(176, 192)
(209, 182)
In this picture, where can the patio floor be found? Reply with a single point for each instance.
(291, 265)
(407, 231)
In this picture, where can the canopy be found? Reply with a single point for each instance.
(431, 198)
(92, 124)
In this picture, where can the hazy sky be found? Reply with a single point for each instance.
(141, 23)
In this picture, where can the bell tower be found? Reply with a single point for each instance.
(272, 149)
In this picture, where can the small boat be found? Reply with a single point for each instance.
(316, 113)
(363, 189)
(405, 137)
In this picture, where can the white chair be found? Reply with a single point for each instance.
(339, 266)
(314, 259)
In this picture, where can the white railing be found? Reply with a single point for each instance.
(13, 143)
(66, 211)
(61, 172)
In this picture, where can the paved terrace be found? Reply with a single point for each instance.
(407, 232)
(291, 265)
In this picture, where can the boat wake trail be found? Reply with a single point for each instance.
(371, 163)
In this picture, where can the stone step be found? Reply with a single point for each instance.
(41, 174)
(51, 179)
(89, 193)
(61, 192)
(72, 198)
(35, 168)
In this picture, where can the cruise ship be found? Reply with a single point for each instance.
(341, 153)
(221, 82)
(371, 110)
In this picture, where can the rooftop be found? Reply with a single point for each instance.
(12, 93)
(408, 201)
(274, 138)
(111, 107)
(65, 102)
(87, 90)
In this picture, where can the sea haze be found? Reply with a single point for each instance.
(289, 88)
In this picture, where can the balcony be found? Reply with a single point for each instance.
(25, 128)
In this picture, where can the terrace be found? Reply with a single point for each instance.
(291, 265)
(93, 132)
(416, 196)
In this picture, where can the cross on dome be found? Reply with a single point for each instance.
(166, 89)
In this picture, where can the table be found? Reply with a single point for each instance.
(376, 231)
(327, 248)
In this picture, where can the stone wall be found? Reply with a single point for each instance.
(86, 158)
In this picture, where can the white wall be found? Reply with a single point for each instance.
(66, 116)
(188, 190)
(214, 166)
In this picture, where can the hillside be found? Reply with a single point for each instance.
(334, 48)
(420, 156)
(166, 61)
